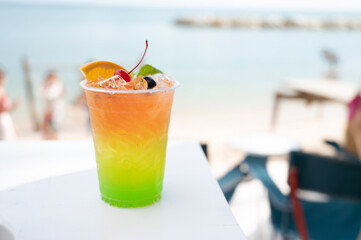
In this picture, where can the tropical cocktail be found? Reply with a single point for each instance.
(130, 117)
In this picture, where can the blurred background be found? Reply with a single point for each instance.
(234, 60)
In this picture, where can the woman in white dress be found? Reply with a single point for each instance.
(53, 92)
(7, 127)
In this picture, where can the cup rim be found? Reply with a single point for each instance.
(115, 91)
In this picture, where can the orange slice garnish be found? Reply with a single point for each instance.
(95, 71)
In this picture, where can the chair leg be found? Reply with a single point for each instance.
(298, 213)
(230, 181)
(274, 235)
(277, 235)
(320, 109)
(205, 149)
(276, 103)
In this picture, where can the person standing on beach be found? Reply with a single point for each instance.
(7, 127)
(80, 102)
(53, 92)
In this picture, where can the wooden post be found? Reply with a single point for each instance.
(30, 95)
(275, 109)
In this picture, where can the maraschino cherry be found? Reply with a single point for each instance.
(125, 75)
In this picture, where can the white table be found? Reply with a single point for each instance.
(264, 144)
(69, 206)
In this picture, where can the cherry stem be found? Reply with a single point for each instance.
(146, 47)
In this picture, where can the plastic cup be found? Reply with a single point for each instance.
(130, 134)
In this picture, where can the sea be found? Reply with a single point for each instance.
(220, 69)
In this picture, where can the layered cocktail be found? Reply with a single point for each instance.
(130, 118)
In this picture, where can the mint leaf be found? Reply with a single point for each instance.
(148, 70)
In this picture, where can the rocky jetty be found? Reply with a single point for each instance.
(271, 22)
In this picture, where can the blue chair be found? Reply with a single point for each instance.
(335, 219)
(340, 218)
(255, 146)
(342, 153)
(235, 176)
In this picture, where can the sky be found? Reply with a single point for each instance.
(310, 5)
